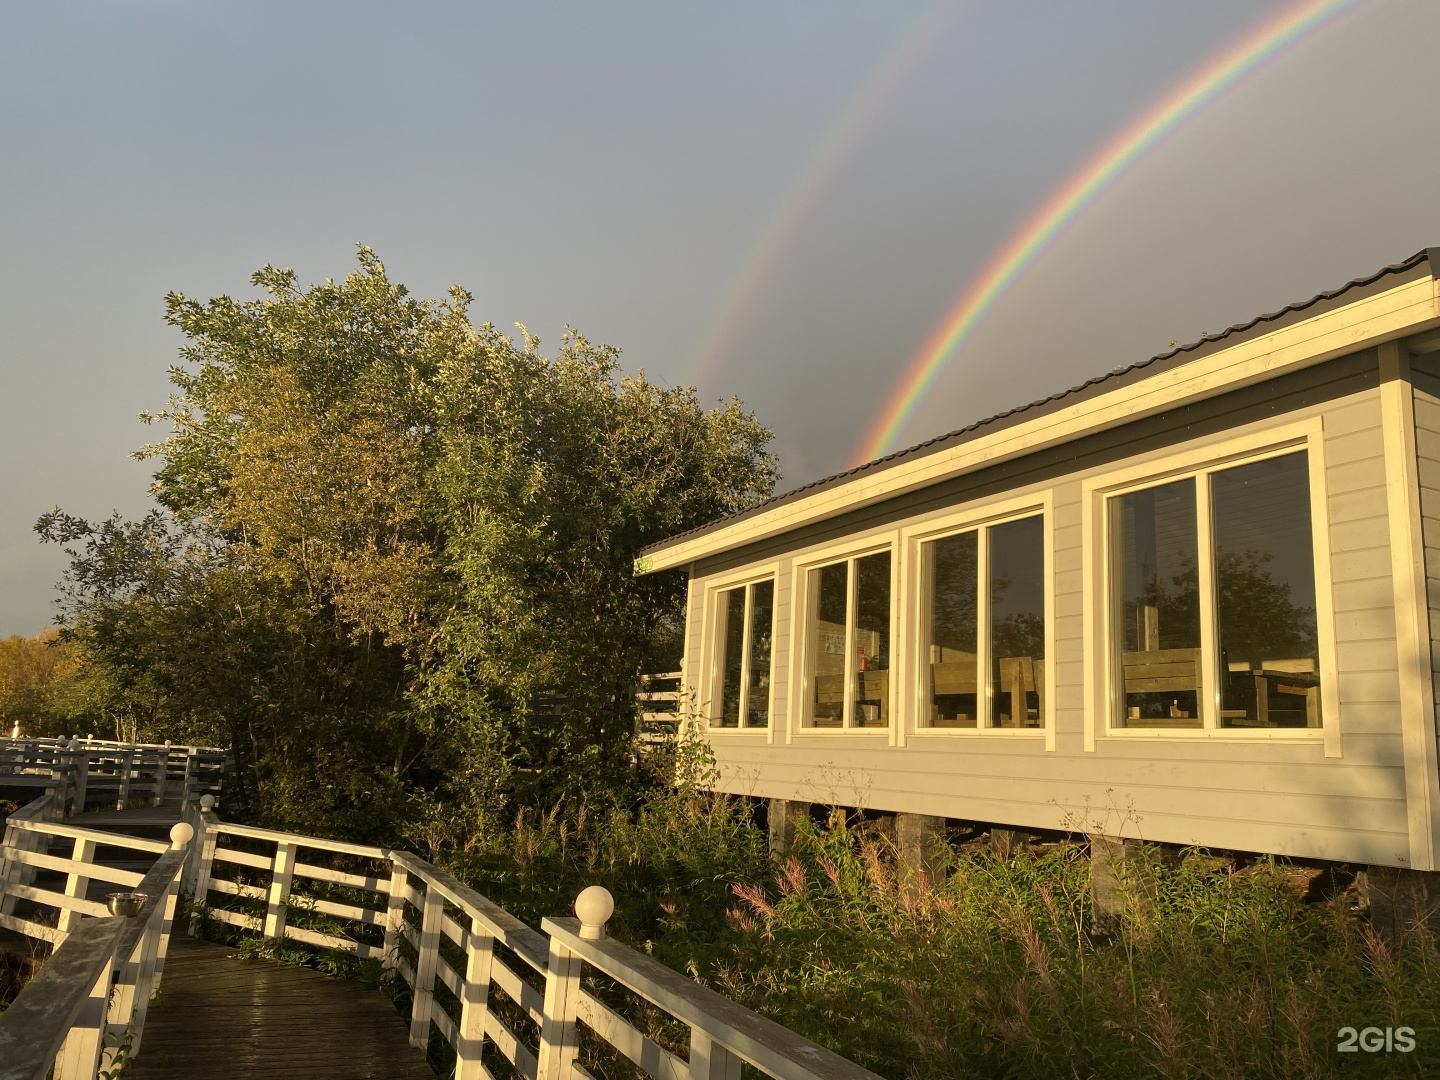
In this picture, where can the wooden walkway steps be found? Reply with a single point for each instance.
(221, 1017)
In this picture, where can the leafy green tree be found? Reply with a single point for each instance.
(36, 683)
(386, 531)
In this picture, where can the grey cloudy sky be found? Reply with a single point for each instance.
(613, 165)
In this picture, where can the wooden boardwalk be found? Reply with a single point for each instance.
(221, 1017)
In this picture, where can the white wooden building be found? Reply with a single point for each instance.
(1194, 600)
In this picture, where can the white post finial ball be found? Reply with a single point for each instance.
(181, 833)
(592, 907)
(207, 802)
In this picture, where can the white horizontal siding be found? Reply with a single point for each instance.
(1265, 795)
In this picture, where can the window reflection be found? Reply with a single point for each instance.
(1017, 622)
(830, 586)
(732, 634)
(1157, 604)
(1265, 595)
(953, 573)
(757, 691)
(872, 641)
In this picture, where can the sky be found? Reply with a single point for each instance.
(775, 201)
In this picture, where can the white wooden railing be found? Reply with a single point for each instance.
(105, 773)
(479, 978)
(90, 997)
(659, 707)
(477, 975)
(87, 1003)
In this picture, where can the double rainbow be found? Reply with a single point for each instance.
(1213, 78)
(897, 66)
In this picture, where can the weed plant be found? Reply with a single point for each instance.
(995, 967)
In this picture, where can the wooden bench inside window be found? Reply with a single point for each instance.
(1163, 671)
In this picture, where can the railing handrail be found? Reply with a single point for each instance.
(43, 1017)
(723, 1033)
(344, 847)
(98, 836)
(520, 937)
(759, 1040)
(37, 1023)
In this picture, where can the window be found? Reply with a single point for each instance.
(849, 643)
(1213, 595)
(984, 592)
(746, 618)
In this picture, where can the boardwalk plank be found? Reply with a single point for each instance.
(220, 1017)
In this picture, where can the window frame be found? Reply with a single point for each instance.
(715, 589)
(805, 598)
(975, 517)
(1102, 675)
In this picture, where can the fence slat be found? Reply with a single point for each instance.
(559, 1039)
(283, 875)
(423, 996)
(474, 1003)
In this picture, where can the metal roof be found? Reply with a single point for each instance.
(1425, 261)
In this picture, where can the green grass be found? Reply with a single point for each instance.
(1217, 969)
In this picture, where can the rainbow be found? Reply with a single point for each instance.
(1201, 87)
(898, 64)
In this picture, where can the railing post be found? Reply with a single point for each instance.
(187, 788)
(81, 758)
(395, 916)
(162, 773)
(474, 1002)
(423, 992)
(284, 873)
(12, 870)
(559, 1039)
(77, 885)
(79, 1058)
(709, 1060)
(126, 763)
(182, 834)
(200, 873)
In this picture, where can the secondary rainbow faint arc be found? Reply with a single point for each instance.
(1184, 100)
(906, 57)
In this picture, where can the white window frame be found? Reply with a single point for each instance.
(715, 588)
(805, 599)
(1101, 670)
(979, 517)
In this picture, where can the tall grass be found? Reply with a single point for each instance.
(994, 968)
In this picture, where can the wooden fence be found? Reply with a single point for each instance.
(89, 999)
(477, 974)
(479, 978)
(659, 699)
(97, 772)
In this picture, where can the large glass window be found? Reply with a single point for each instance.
(849, 643)
(1265, 595)
(985, 613)
(746, 617)
(1226, 554)
(1156, 567)
(951, 567)
(1017, 622)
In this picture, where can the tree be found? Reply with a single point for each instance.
(36, 677)
(385, 530)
